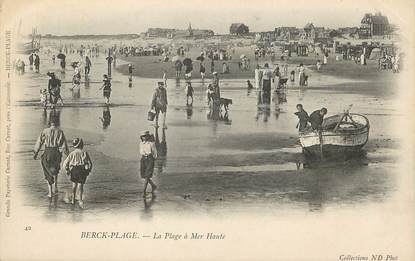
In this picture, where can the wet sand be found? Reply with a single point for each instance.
(246, 163)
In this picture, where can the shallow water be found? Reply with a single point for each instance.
(242, 164)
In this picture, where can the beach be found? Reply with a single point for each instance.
(242, 164)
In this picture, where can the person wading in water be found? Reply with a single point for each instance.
(107, 89)
(159, 103)
(148, 154)
(54, 89)
(55, 143)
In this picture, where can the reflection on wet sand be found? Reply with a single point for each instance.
(161, 146)
(106, 117)
(189, 111)
(147, 212)
(130, 81)
(76, 93)
(263, 106)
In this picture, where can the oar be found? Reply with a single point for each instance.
(346, 112)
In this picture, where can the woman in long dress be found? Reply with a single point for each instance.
(301, 74)
(258, 77)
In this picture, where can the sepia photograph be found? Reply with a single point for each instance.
(207, 130)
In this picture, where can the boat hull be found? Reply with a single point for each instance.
(334, 142)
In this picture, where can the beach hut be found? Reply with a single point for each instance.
(302, 50)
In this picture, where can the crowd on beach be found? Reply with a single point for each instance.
(268, 76)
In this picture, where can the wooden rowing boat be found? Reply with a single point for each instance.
(342, 133)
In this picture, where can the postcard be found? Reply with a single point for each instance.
(207, 130)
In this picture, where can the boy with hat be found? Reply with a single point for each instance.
(148, 154)
(78, 165)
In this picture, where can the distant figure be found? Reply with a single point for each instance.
(76, 81)
(106, 89)
(215, 84)
(325, 56)
(318, 65)
(363, 59)
(316, 118)
(130, 69)
(44, 98)
(225, 68)
(159, 102)
(209, 94)
(31, 61)
(202, 71)
(189, 93)
(109, 61)
(63, 64)
(54, 89)
(88, 65)
(53, 59)
(250, 87)
(212, 66)
(55, 143)
(37, 63)
(277, 77)
(148, 154)
(78, 165)
(165, 78)
(302, 117)
(285, 70)
(178, 65)
(258, 77)
(292, 76)
(266, 79)
(301, 75)
(188, 72)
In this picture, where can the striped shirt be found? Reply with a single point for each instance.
(52, 137)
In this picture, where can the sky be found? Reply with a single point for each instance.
(124, 16)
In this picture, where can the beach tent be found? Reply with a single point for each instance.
(375, 54)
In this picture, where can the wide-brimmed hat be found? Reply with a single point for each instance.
(77, 143)
(214, 73)
(145, 133)
(160, 83)
(50, 74)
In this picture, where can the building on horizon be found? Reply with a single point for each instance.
(374, 25)
(178, 33)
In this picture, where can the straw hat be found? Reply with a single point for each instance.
(77, 142)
